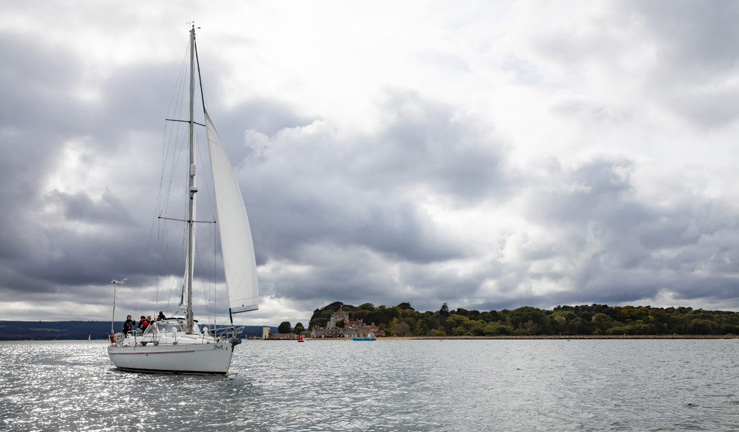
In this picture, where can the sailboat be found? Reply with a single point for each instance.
(178, 344)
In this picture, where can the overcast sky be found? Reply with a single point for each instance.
(484, 154)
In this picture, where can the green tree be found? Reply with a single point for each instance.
(436, 333)
(457, 320)
(602, 322)
(421, 328)
(497, 329)
(564, 322)
(703, 326)
(359, 315)
(400, 329)
(528, 320)
(299, 328)
(284, 327)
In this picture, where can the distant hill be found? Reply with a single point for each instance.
(75, 330)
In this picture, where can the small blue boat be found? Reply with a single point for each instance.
(370, 337)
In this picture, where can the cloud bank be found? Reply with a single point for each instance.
(486, 156)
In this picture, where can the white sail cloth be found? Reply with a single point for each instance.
(236, 242)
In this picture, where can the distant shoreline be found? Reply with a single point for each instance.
(541, 337)
(453, 338)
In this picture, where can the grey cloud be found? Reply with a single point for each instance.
(432, 144)
(350, 273)
(368, 196)
(628, 249)
(696, 58)
(695, 36)
(597, 191)
(708, 107)
(356, 275)
(685, 47)
(266, 116)
(349, 211)
(38, 250)
(615, 246)
(80, 207)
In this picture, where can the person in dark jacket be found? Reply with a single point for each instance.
(161, 316)
(128, 325)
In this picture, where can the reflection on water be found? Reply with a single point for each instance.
(384, 386)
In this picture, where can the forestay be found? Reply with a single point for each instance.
(236, 242)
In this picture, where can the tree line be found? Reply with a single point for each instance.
(592, 320)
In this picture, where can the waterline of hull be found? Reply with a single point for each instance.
(186, 359)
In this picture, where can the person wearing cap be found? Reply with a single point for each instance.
(128, 325)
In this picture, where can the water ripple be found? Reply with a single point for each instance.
(583, 385)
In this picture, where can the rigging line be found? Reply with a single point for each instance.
(185, 220)
(162, 232)
(183, 121)
(209, 181)
(211, 311)
(205, 175)
(200, 78)
(175, 150)
(203, 157)
(215, 287)
(181, 257)
(163, 229)
(203, 280)
(176, 136)
(175, 107)
(213, 270)
(165, 248)
(174, 280)
(171, 155)
(166, 144)
(206, 190)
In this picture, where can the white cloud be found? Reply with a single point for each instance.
(483, 155)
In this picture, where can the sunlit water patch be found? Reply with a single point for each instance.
(495, 385)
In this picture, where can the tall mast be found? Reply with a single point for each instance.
(191, 189)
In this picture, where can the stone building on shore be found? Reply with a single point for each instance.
(341, 326)
(268, 335)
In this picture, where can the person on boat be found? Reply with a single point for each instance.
(128, 325)
(161, 316)
(143, 324)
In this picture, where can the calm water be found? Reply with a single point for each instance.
(521, 385)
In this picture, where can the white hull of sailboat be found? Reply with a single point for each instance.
(213, 358)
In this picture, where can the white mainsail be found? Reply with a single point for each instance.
(236, 243)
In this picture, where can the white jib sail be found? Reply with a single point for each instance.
(236, 242)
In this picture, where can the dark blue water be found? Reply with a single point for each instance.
(506, 385)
